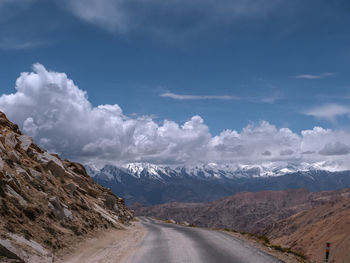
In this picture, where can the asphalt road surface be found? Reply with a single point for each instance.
(169, 243)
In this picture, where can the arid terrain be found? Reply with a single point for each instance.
(309, 231)
(296, 219)
(48, 204)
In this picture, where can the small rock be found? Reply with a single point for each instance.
(14, 184)
(2, 147)
(2, 165)
(67, 213)
(71, 187)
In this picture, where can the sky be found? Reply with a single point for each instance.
(179, 81)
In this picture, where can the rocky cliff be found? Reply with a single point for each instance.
(47, 204)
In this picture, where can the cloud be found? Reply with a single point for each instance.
(57, 113)
(286, 152)
(266, 153)
(165, 18)
(271, 99)
(328, 111)
(196, 97)
(310, 76)
(12, 44)
(336, 148)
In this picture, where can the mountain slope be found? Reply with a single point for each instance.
(251, 212)
(47, 204)
(309, 231)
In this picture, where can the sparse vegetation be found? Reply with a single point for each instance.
(264, 238)
(288, 250)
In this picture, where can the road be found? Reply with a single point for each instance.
(170, 243)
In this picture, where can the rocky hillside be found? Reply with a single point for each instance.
(47, 204)
(296, 219)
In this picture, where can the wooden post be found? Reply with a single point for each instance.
(328, 246)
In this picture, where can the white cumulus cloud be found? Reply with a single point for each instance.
(57, 113)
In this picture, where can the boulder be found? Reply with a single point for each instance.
(26, 142)
(9, 251)
(59, 209)
(20, 171)
(14, 194)
(52, 163)
(110, 201)
(35, 173)
(92, 192)
(10, 140)
(13, 156)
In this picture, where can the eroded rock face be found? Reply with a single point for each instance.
(47, 204)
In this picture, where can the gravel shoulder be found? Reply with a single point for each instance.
(285, 257)
(108, 247)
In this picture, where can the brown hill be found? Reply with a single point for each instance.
(251, 212)
(47, 204)
(309, 231)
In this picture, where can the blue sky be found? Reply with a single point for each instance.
(231, 62)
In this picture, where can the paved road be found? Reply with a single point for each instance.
(168, 243)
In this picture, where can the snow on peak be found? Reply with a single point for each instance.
(212, 170)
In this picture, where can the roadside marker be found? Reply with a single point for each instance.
(328, 246)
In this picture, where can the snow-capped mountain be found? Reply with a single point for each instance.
(208, 171)
(152, 184)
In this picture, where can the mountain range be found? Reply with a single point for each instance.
(150, 184)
